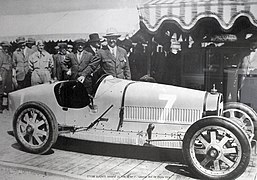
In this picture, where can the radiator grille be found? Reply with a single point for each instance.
(166, 115)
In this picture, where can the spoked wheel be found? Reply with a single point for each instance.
(35, 127)
(215, 148)
(242, 114)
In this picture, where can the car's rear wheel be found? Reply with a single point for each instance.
(244, 115)
(35, 127)
(215, 148)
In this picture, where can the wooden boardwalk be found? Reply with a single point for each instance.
(70, 160)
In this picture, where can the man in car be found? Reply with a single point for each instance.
(112, 59)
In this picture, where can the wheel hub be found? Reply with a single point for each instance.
(213, 152)
(29, 130)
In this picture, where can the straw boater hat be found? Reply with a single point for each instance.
(94, 37)
(112, 32)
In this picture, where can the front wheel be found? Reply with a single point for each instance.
(215, 148)
(35, 127)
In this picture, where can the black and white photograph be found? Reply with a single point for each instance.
(128, 89)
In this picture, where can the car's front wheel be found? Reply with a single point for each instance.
(35, 127)
(216, 148)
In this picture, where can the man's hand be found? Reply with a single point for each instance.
(68, 73)
(81, 79)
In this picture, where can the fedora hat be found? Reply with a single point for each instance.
(94, 37)
(31, 41)
(5, 44)
(20, 40)
(111, 32)
(80, 41)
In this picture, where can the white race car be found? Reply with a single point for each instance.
(138, 113)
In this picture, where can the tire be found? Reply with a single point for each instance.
(244, 115)
(35, 127)
(215, 148)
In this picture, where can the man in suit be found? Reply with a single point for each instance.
(60, 69)
(112, 59)
(20, 63)
(78, 62)
(94, 44)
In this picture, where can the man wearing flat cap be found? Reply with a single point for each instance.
(41, 65)
(5, 72)
(112, 59)
(20, 64)
(78, 62)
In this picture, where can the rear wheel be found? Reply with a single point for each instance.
(244, 115)
(35, 127)
(215, 148)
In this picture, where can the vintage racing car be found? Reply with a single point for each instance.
(139, 113)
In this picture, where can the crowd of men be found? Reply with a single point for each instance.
(30, 64)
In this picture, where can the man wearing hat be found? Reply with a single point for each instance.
(41, 65)
(69, 48)
(78, 62)
(94, 43)
(30, 47)
(5, 72)
(112, 59)
(59, 71)
(20, 64)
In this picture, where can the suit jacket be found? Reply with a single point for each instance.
(78, 68)
(116, 66)
(59, 68)
(20, 64)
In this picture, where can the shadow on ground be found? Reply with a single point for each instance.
(119, 150)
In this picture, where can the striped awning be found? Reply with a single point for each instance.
(186, 13)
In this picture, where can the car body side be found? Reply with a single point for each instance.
(136, 112)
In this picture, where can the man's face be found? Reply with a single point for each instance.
(22, 46)
(96, 44)
(29, 45)
(69, 49)
(80, 47)
(40, 47)
(5, 49)
(63, 51)
(112, 41)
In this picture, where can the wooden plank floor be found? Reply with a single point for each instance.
(95, 166)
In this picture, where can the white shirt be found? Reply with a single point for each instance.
(79, 55)
(113, 50)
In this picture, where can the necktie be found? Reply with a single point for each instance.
(79, 56)
(112, 51)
